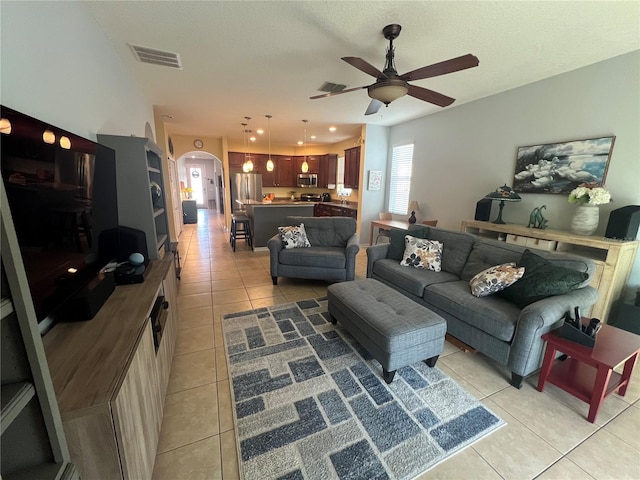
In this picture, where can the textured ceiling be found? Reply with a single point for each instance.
(245, 58)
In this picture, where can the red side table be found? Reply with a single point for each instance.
(588, 372)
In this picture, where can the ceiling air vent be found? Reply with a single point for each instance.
(332, 87)
(156, 57)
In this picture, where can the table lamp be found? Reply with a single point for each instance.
(413, 208)
(503, 194)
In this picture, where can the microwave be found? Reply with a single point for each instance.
(307, 180)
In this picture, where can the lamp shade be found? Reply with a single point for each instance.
(503, 193)
(414, 206)
(389, 90)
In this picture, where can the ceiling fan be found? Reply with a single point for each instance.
(390, 86)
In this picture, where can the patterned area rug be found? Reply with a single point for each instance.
(310, 402)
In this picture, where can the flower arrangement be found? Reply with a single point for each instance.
(591, 196)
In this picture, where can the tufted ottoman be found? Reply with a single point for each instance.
(394, 329)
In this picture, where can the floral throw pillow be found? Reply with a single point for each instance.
(294, 237)
(421, 253)
(495, 279)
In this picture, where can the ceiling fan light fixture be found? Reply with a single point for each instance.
(387, 91)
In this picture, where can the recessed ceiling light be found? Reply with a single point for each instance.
(260, 131)
(253, 139)
(300, 142)
(312, 137)
(332, 129)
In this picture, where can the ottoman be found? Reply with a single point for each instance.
(394, 329)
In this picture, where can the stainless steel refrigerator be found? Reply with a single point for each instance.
(245, 186)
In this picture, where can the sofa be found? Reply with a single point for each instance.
(331, 256)
(494, 325)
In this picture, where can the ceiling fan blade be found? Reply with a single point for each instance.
(331, 94)
(442, 68)
(373, 107)
(430, 96)
(363, 66)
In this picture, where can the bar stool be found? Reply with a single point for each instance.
(242, 221)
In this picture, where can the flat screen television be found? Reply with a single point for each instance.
(61, 191)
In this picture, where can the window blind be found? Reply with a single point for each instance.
(400, 182)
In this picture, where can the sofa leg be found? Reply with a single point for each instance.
(388, 376)
(516, 380)
(431, 362)
(274, 280)
(333, 319)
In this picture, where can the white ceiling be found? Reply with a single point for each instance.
(243, 58)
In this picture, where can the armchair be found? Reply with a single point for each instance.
(332, 255)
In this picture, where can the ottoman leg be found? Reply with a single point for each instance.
(432, 361)
(388, 376)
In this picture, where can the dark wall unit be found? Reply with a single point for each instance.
(139, 164)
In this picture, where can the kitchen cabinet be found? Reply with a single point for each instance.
(283, 174)
(111, 377)
(327, 170)
(333, 210)
(33, 443)
(352, 167)
(236, 160)
(138, 163)
(312, 161)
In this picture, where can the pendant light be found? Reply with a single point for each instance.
(248, 164)
(305, 165)
(270, 164)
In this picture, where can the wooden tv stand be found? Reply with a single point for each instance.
(613, 258)
(109, 380)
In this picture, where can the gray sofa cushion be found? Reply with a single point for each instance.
(456, 248)
(493, 314)
(410, 279)
(327, 231)
(327, 257)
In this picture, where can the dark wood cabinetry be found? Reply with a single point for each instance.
(352, 167)
(330, 210)
(327, 170)
(286, 168)
(312, 161)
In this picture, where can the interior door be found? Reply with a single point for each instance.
(197, 181)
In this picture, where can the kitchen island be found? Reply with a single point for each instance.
(266, 217)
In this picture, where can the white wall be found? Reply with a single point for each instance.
(58, 66)
(373, 201)
(463, 153)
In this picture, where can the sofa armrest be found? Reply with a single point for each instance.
(374, 253)
(275, 246)
(351, 250)
(539, 318)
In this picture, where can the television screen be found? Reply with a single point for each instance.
(62, 195)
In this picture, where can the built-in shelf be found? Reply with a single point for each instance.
(15, 397)
(6, 308)
(161, 240)
(153, 170)
(158, 211)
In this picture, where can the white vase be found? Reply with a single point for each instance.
(585, 219)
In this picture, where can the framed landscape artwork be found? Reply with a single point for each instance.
(561, 167)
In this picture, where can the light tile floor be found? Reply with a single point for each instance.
(547, 435)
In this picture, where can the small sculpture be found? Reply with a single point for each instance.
(536, 220)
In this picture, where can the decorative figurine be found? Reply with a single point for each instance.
(536, 220)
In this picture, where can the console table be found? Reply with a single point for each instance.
(111, 380)
(613, 258)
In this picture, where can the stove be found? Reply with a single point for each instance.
(310, 197)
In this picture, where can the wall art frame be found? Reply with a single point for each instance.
(560, 167)
(375, 179)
